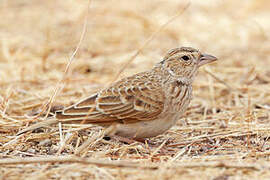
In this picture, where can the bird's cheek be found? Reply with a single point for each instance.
(180, 73)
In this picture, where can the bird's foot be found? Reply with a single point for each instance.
(126, 140)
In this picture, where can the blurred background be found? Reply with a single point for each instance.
(232, 95)
(38, 38)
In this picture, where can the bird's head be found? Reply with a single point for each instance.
(183, 63)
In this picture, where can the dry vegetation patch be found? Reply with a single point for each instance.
(223, 135)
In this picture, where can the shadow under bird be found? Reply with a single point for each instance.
(143, 105)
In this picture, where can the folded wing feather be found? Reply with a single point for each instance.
(125, 104)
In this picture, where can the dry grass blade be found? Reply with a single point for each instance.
(124, 164)
(218, 79)
(73, 159)
(220, 165)
(149, 40)
(41, 124)
(223, 135)
(61, 83)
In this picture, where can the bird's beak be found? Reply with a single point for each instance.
(206, 58)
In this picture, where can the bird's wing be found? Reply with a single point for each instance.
(127, 101)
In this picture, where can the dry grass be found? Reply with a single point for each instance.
(224, 134)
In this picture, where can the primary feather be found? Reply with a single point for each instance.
(136, 98)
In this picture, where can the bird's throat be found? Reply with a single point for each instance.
(184, 80)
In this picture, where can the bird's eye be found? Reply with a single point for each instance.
(185, 58)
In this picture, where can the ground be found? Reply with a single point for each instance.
(223, 135)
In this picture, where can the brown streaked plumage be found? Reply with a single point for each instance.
(143, 105)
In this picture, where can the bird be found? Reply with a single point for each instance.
(143, 105)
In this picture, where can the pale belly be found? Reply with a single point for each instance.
(146, 129)
(175, 106)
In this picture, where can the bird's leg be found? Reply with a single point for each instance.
(130, 140)
(122, 139)
(111, 132)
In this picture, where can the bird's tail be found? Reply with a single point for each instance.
(41, 124)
